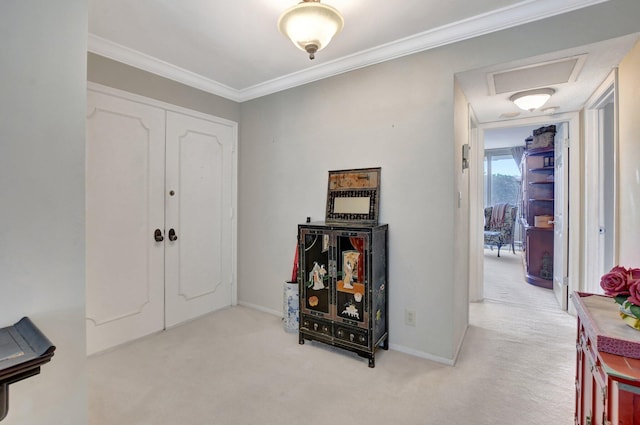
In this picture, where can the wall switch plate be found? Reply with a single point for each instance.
(465, 156)
(409, 317)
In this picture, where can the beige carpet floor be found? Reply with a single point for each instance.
(504, 282)
(238, 366)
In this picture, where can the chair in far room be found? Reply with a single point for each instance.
(499, 223)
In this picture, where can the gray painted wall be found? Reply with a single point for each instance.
(398, 115)
(42, 102)
(629, 160)
(391, 115)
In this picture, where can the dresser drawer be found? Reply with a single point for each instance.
(352, 335)
(315, 325)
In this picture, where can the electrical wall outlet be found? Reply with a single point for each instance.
(410, 317)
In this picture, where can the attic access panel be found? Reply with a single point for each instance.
(353, 196)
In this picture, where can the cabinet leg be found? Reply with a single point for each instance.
(385, 344)
(372, 362)
(300, 339)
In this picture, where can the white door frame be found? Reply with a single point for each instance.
(560, 215)
(476, 289)
(606, 93)
(476, 210)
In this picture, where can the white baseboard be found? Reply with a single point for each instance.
(457, 353)
(422, 354)
(261, 308)
(400, 348)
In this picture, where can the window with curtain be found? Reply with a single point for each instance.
(501, 177)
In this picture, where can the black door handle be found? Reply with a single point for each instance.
(172, 235)
(157, 235)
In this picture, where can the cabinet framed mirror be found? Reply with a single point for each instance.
(353, 196)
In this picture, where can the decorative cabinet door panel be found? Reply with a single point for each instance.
(315, 268)
(199, 276)
(352, 287)
(124, 204)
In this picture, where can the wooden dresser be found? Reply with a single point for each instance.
(607, 364)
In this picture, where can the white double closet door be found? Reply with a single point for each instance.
(160, 225)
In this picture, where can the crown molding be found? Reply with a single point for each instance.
(131, 57)
(508, 17)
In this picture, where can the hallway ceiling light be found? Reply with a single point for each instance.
(310, 25)
(531, 100)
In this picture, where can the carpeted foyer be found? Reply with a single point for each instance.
(238, 366)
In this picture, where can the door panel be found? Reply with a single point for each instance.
(199, 171)
(124, 204)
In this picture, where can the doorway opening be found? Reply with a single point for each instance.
(491, 108)
(505, 277)
(503, 151)
(559, 282)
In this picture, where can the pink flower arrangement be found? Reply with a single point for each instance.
(624, 285)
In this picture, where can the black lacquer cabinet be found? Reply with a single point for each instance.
(343, 286)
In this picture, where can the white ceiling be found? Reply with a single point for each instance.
(598, 61)
(233, 48)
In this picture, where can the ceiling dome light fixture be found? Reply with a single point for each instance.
(531, 100)
(310, 25)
